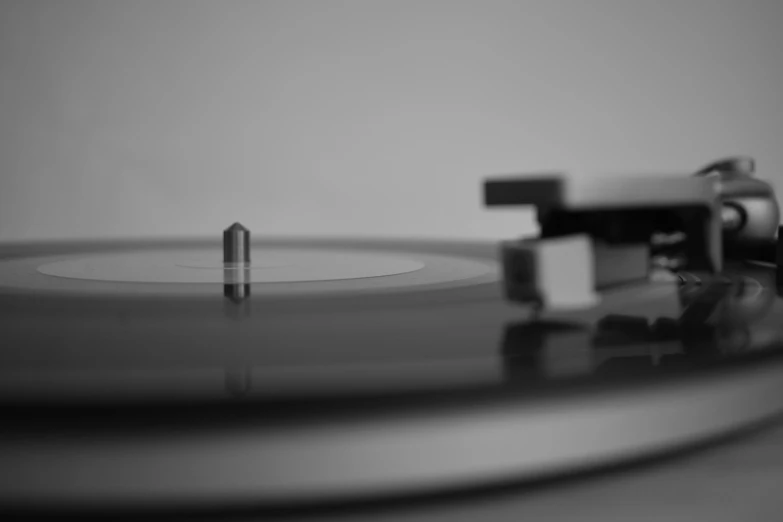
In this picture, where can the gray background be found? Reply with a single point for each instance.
(362, 117)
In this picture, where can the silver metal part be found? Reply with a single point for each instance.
(761, 219)
(732, 218)
(236, 261)
(753, 215)
(236, 244)
(236, 287)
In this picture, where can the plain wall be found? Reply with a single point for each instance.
(362, 117)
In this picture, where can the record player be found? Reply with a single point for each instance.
(249, 375)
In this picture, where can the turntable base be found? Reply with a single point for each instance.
(733, 481)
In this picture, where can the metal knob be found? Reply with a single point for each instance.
(750, 211)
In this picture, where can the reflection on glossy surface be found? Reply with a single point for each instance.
(239, 382)
(717, 321)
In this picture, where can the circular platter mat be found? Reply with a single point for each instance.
(193, 269)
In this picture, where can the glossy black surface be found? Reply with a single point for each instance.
(434, 344)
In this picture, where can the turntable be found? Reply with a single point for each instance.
(191, 376)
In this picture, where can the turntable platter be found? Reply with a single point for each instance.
(404, 370)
